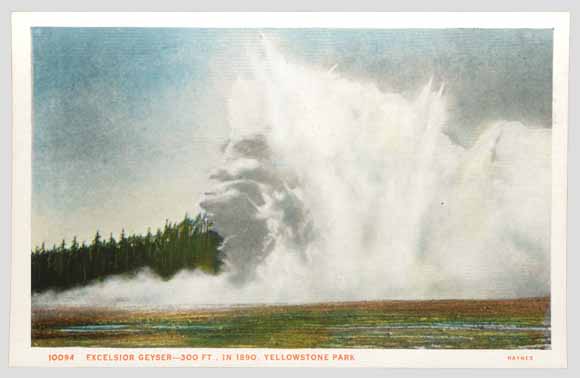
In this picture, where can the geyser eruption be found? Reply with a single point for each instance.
(331, 189)
(357, 193)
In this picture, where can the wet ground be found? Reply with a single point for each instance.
(447, 324)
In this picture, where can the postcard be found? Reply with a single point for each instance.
(289, 189)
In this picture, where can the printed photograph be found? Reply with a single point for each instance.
(291, 188)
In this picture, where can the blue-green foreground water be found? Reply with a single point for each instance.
(444, 324)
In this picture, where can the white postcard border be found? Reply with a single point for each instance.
(21, 352)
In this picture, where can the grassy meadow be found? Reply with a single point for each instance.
(440, 324)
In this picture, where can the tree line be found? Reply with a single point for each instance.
(189, 244)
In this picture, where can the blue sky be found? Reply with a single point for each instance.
(128, 122)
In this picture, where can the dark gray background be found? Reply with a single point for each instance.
(299, 5)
